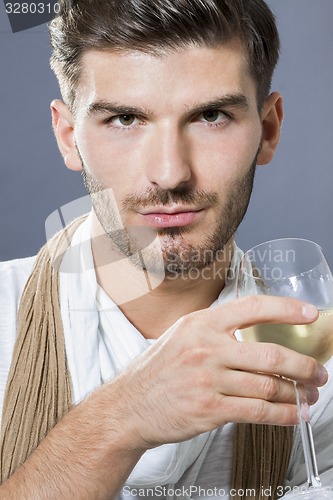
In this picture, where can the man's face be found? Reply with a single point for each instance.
(176, 138)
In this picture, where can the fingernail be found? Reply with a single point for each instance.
(312, 395)
(309, 311)
(323, 375)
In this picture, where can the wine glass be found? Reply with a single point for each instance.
(293, 267)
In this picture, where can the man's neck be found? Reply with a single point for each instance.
(154, 309)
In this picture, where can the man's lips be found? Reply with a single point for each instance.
(160, 217)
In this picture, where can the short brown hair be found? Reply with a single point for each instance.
(157, 25)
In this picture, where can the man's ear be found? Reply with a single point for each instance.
(63, 126)
(271, 116)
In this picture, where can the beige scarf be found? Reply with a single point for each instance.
(39, 392)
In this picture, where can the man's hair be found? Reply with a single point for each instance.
(154, 26)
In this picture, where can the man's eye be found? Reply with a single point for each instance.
(126, 120)
(214, 118)
(211, 116)
(121, 121)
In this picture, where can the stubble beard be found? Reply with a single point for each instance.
(179, 256)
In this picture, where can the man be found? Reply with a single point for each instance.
(167, 112)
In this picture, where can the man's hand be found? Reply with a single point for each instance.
(197, 376)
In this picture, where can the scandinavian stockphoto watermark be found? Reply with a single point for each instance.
(270, 263)
(72, 254)
(140, 245)
(137, 250)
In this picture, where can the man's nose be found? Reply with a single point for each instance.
(168, 158)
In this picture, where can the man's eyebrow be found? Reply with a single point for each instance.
(104, 107)
(234, 101)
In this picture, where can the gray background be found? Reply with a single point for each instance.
(292, 196)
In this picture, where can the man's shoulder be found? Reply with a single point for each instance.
(24, 263)
(15, 271)
(13, 277)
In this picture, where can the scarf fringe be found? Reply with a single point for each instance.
(261, 456)
(38, 391)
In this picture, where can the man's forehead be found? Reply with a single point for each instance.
(231, 51)
(193, 73)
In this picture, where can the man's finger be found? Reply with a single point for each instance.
(254, 309)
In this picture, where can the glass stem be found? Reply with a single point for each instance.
(307, 437)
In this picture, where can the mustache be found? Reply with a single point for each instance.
(185, 195)
(155, 196)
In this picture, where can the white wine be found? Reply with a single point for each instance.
(314, 339)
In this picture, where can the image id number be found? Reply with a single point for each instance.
(32, 8)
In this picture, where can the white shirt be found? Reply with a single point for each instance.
(211, 478)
